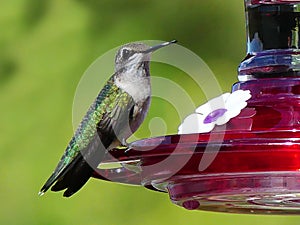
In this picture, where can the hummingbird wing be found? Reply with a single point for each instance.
(107, 118)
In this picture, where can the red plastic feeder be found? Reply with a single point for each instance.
(251, 164)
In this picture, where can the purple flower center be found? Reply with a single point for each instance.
(214, 115)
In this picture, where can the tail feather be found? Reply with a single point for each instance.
(73, 176)
(74, 179)
(65, 178)
(59, 173)
(53, 178)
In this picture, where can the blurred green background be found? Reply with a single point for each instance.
(45, 47)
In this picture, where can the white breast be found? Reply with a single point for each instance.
(138, 87)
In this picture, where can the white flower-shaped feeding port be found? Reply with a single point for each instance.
(217, 111)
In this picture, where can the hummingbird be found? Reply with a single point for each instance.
(116, 113)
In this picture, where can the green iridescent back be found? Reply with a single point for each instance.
(107, 100)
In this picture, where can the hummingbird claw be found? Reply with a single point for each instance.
(129, 145)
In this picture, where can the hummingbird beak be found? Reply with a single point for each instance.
(154, 48)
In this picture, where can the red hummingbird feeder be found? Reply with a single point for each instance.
(251, 164)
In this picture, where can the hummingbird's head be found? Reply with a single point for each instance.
(130, 54)
(135, 54)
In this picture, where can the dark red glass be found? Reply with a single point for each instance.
(252, 163)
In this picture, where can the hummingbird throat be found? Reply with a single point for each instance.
(135, 81)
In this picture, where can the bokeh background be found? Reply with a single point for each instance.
(45, 47)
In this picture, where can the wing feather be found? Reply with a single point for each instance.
(106, 119)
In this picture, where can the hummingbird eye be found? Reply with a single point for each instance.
(126, 53)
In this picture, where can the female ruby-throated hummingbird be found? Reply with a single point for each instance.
(117, 112)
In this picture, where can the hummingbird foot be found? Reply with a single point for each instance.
(128, 148)
(124, 143)
(124, 146)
